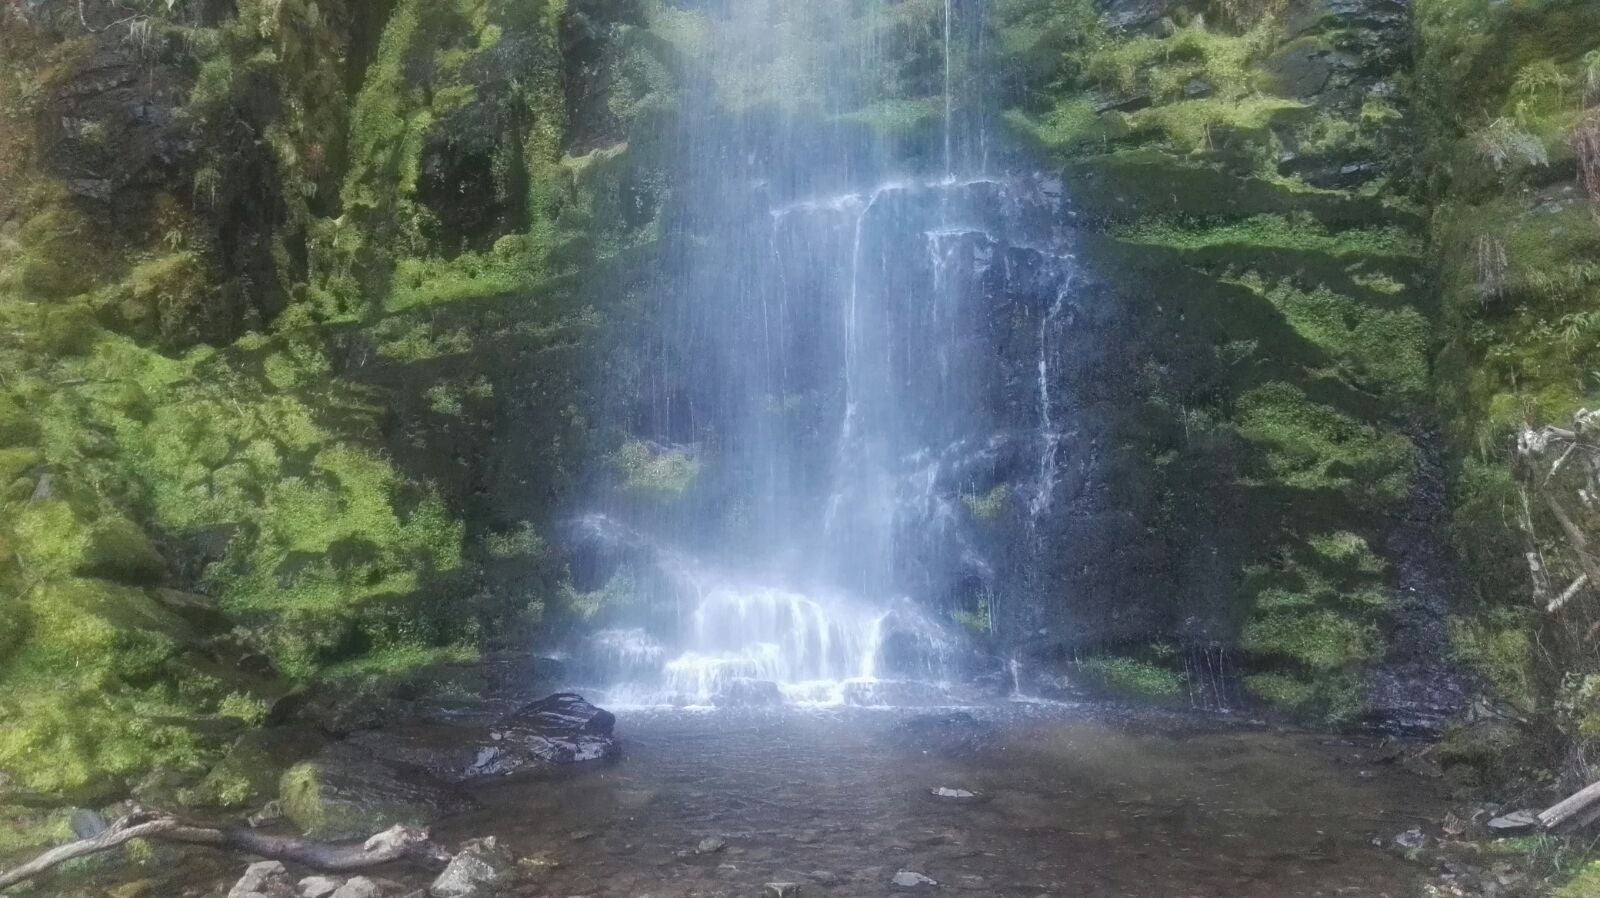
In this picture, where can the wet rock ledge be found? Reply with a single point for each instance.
(409, 774)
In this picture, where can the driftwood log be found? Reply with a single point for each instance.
(397, 843)
(1580, 808)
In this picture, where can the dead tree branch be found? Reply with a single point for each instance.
(397, 843)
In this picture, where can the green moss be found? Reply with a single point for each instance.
(1192, 126)
(1585, 883)
(1320, 640)
(1132, 676)
(1294, 232)
(1499, 646)
(1377, 348)
(619, 592)
(1313, 446)
(651, 472)
(1336, 700)
(27, 831)
(898, 117)
(400, 660)
(988, 506)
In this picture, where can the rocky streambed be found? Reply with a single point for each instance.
(556, 797)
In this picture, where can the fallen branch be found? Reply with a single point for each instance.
(1567, 594)
(1574, 805)
(397, 843)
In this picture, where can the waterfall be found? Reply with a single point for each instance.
(832, 302)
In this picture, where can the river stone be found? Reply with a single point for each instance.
(780, 890)
(481, 868)
(909, 879)
(957, 794)
(264, 879)
(345, 793)
(358, 887)
(711, 845)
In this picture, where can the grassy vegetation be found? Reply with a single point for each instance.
(1507, 94)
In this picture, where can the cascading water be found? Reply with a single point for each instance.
(829, 326)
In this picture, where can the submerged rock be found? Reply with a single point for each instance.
(780, 890)
(958, 734)
(481, 868)
(909, 879)
(344, 792)
(557, 730)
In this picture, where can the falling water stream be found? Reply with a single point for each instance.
(834, 324)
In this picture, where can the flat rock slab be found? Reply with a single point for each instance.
(558, 730)
(1514, 823)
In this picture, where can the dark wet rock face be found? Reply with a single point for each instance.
(743, 692)
(554, 731)
(1416, 690)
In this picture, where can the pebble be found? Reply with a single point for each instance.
(909, 879)
(780, 890)
(711, 845)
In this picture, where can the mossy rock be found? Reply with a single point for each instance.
(346, 793)
(61, 539)
(17, 427)
(1483, 753)
(251, 770)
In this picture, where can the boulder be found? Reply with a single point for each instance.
(344, 792)
(265, 879)
(481, 869)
